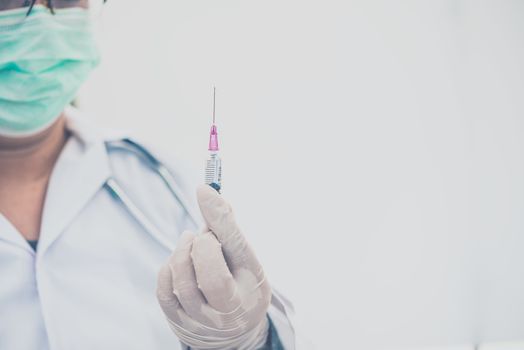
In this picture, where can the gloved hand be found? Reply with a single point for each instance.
(213, 289)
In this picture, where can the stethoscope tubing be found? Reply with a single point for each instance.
(118, 192)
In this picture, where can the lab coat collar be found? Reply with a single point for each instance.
(80, 172)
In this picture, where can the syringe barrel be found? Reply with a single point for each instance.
(214, 171)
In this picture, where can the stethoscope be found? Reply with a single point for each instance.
(163, 172)
(167, 177)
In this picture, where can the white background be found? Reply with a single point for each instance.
(372, 150)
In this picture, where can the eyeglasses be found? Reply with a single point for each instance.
(18, 10)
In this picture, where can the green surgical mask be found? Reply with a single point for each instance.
(43, 62)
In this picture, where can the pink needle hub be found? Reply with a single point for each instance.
(213, 139)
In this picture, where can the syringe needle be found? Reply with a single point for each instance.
(214, 99)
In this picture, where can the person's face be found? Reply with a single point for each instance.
(51, 52)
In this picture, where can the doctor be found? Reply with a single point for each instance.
(92, 254)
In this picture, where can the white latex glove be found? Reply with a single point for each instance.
(213, 289)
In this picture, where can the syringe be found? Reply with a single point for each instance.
(214, 164)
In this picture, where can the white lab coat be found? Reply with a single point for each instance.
(91, 284)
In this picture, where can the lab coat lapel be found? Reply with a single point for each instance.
(80, 172)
